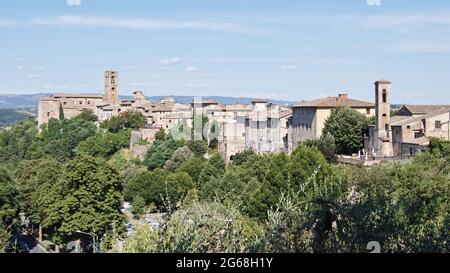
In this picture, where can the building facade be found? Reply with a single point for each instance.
(309, 117)
(407, 133)
(260, 126)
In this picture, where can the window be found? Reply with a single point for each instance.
(408, 127)
(65, 103)
(438, 124)
(48, 114)
(384, 96)
(367, 111)
(269, 123)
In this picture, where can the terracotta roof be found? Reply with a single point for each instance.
(410, 120)
(383, 82)
(81, 95)
(396, 119)
(259, 101)
(204, 102)
(424, 109)
(333, 102)
(286, 113)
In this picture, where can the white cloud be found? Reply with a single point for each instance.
(407, 20)
(55, 86)
(374, 2)
(286, 67)
(170, 61)
(142, 23)
(21, 59)
(130, 67)
(192, 69)
(33, 76)
(6, 23)
(38, 68)
(195, 85)
(20, 67)
(73, 2)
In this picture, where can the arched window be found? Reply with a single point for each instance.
(384, 96)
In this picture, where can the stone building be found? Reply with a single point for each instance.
(164, 114)
(407, 133)
(309, 117)
(72, 105)
(266, 128)
(259, 126)
(104, 106)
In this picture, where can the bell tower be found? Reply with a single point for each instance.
(111, 86)
(383, 115)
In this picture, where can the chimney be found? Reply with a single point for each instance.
(343, 96)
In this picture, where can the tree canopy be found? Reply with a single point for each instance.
(347, 126)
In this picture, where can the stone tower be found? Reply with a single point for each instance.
(383, 143)
(111, 86)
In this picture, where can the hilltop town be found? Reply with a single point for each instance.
(261, 126)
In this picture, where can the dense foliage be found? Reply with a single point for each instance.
(9, 206)
(348, 127)
(73, 176)
(125, 120)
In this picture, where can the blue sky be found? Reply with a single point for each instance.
(280, 49)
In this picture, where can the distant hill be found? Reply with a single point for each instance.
(31, 101)
(11, 116)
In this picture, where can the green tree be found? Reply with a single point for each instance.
(36, 181)
(88, 115)
(161, 151)
(59, 139)
(105, 144)
(144, 241)
(348, 127)
(89, 200)
(209, 228)
(326, 145)
(177, 187)
(179, 156)
(214, 169)
(150, 185)
(9, 206)
(198, 147)
(193, 166)
(138, 206)
(160, 135)
(16, 143)
(125, 120)
(61, 112)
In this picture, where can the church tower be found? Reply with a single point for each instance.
(111, 86)
(383, 114)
